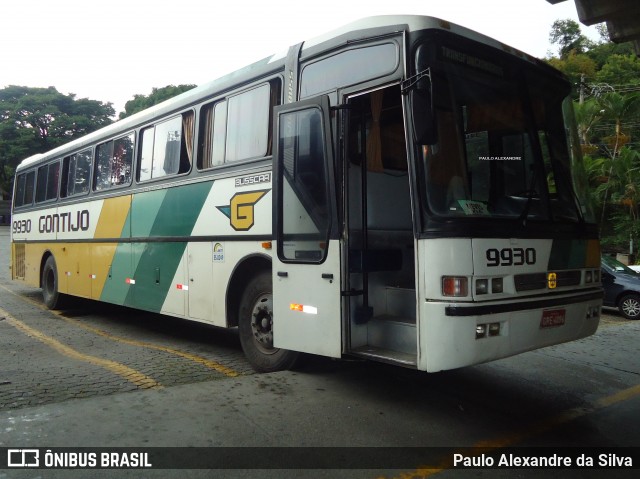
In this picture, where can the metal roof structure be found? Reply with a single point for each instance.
(621, 16)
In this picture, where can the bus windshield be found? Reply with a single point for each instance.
(502, 147)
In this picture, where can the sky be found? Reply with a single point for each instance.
(110, 51)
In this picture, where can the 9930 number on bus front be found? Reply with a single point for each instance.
(511, 256)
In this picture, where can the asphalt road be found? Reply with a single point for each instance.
(99, 376)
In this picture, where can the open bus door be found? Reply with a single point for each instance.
(306, 260)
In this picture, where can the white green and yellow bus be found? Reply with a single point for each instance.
(401, 189)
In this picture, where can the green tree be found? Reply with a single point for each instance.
(35, 120)
(575, 65)
(568, 36)
(158, 95)
(619, 108)
(588, 114)
(601, 52)
(607, 123)
(617, 175)
(620, 70)
(619, 193)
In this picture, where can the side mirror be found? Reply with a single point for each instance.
(421, 99)
(424, 121)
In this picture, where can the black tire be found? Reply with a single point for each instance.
(53, 299)
(255, 326)
(629, 306)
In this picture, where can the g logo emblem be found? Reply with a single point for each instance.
(240, 211)
(552, 280)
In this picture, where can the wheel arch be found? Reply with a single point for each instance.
(242, 273)
(626, 292)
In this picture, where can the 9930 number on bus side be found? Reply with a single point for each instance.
(511, 256)
(21, 226)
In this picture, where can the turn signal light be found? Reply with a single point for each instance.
(455, 286)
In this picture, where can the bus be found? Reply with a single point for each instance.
(401, 189)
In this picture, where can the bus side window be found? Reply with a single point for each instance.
(122, 160)
(29, 188)
(76, 174)
(113, 162)
(166, 148)
(47, 185)
(248, 124)
(213, 132)
(102, 179)
(238, 127)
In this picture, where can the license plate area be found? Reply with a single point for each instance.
(552, 318)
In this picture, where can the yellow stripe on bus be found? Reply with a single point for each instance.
(113, 215)
(111, 223)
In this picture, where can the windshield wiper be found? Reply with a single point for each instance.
(530, 192)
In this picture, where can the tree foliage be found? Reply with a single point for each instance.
(575, 65)
(613, 164)
(568, 36)
(607, 81)
(620, 70)
(35, 120)
(158, 95)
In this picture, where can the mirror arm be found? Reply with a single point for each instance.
(407, 85)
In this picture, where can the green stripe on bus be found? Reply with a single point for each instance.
(115, 288)
(175, 213)
(145, 209)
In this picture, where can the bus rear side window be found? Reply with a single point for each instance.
(24, 189)
(18, 197)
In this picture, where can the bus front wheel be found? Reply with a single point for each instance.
(255, 326)
(50, 294)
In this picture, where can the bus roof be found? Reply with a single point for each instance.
(354, 31)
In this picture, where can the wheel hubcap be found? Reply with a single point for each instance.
(262, 323)
(631, 307)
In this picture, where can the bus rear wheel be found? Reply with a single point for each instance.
(53, 299)
(255, 326)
